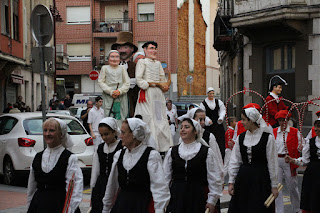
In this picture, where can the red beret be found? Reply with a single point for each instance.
(318, 113)
(252, 105)
(282, 114)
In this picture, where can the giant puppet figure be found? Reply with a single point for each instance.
(124, 45)
(152, 104)
(275, 89)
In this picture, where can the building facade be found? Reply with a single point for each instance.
(16, 75)
(258, 39)
(90, 27)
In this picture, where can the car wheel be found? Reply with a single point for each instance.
(8, 172)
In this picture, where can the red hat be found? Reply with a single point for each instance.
(252, 105)
(282, 114)
(318, 113)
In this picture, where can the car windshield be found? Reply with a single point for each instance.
(73, 110)
(34, 126)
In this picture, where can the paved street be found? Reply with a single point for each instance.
(13, 199)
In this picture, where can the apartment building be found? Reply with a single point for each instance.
(16, 75)
(258, 39)
(90, 27)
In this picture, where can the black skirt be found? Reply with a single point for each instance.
(132, 202)
(98, 193)
(251, 189)
(310, 193)
(187, 197)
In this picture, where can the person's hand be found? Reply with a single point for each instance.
(93, 135)
(115, 93)
(275, 192)
(230, 144)
(88, 110)
(210, 122)
(210, 207)
(231, 189)
(152, 84)
(220, 121)
(288, 159)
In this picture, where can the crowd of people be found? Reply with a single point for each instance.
(137, 168)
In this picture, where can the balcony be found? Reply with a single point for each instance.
(222, 26)
(109, 28)
(62, 61)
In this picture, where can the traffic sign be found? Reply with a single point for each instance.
(41, 24)
(94, 75)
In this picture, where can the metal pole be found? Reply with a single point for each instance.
(43, 95)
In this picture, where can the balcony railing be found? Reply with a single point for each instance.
(112, 25)
(225, 8)
(62, 61)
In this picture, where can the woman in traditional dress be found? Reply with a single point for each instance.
(253, 166)
(136, 174)
(115, 83)
(52, 170)
(310, 195)
(192, 169)
(102, 161)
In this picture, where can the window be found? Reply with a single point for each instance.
(78, 15)
(79, 52)
(8, 125)
(15, 16)
(280, 59)
(146, 12)
(5, 17)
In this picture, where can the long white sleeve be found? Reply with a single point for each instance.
(73, 168)
(235, 161)
(222, 111)
(305, 159)
(32, 186)
(112, 186)
(102, 81)
(159, 188)
(140, 69)
(235, 134)
(309, 136)
(95, 170)
(125, 82)
(215, 148)
(167, 167)
(272, 157)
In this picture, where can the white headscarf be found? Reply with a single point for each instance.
(140, 129)
(199, 131)
(192, 112)
(210, 89)
(112, 123)
(66, 140)
(254, 115)
(112, 51)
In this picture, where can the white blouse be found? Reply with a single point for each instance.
(214, 168)
(279, 140)
(50, 158)
(95, 171)
(212, 106)
(158, 187)
(252, 139)
(148, 70)
(305, 159)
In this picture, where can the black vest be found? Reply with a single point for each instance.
(56, 178)
(137, 179)
(259, 155)
(313, 150)
(196, 167)
(212, 114)
(206, 134)
(106, 160)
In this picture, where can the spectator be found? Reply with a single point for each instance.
(55, 105)
(67, 102)
(21, 104)
(9, 107)
(84, 115)
(15, 109)
(28, 109)
(52, 101)
(61, 105)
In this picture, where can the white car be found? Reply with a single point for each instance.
(21, 138)
(77, 111)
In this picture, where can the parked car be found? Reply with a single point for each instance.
(76, 111)
(61, 112)
(182, 107)
(21, 137)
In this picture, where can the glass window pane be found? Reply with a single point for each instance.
(277, 59)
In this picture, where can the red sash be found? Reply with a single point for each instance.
(292, 146)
